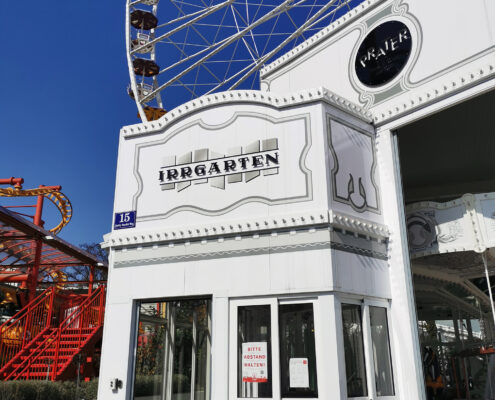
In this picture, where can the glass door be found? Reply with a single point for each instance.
(298, 376)
(254, 354)
(272, 349)
(368, 356)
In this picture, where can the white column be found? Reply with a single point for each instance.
(117, 343)
(117, 352)
(332, 383)
(220, 348)
(404, 335)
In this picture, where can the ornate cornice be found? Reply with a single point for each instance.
(431, 93)
(249, 227)
(255, 97)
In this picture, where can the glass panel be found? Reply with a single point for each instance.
(381, 351)
(182, 357)
(150, 353)
(254, 356)
(172, 355)
(202, 355)
(354, 350)
(297, 351)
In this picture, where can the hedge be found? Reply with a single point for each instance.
(47, 390)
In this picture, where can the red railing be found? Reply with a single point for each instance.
(74, 329)
(25, 326)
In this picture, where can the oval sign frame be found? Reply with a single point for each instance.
(383, 54)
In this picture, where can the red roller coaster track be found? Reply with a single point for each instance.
(55, 333)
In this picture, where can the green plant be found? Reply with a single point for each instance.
(47, 390)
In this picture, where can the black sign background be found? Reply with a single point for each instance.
(384, 51)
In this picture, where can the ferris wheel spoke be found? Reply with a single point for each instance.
(229, 65)
(178, 48)
(220, 25)
(196, 30)
(331, 14)
(270, 54)
(178, 19)
(251, 33)
(230, 40)
(293, 23)
(211, 45)
(184, 3)
(179, 28)
(253, 63)
(238, 29)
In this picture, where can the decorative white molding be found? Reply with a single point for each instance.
(358, 225)
(250, 96)
(320, 36)
(444, 231)
(429, 94)
(247, 227)
(418, 98)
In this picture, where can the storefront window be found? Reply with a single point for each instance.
(381, 351)
(354, 350)
(297, 350)
(254, 352)
(173, 350)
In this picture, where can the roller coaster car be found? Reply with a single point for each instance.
(150, 2)
(141, 19)
(143, 90)
(141, 40)
(145, 67)
(153, 113)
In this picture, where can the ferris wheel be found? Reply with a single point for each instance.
(178, 50)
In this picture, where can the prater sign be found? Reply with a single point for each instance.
(202, 166)
(383, 53)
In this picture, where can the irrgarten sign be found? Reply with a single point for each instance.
(205, 165)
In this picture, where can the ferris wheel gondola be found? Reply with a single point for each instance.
(180, 50)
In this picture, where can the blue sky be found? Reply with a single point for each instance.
(64, 77)
(63, 103)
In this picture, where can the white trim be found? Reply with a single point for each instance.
(244, 227)
(255, 97)
(426, 110)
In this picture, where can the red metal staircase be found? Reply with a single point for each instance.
(35, 346)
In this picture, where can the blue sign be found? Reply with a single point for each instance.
(125, 220)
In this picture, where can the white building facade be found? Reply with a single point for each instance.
(260, 244)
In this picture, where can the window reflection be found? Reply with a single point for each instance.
(254, 378)
(173, 350)
(354, 350)
(297, 350)
(381, 352)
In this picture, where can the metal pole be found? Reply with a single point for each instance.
(483, 257)
(91, 279)
(34, 271)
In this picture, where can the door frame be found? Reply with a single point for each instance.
(365, 304)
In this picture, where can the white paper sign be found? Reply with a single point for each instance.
(298, 373)
(254, 362)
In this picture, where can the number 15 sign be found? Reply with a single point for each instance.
(125, 220)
